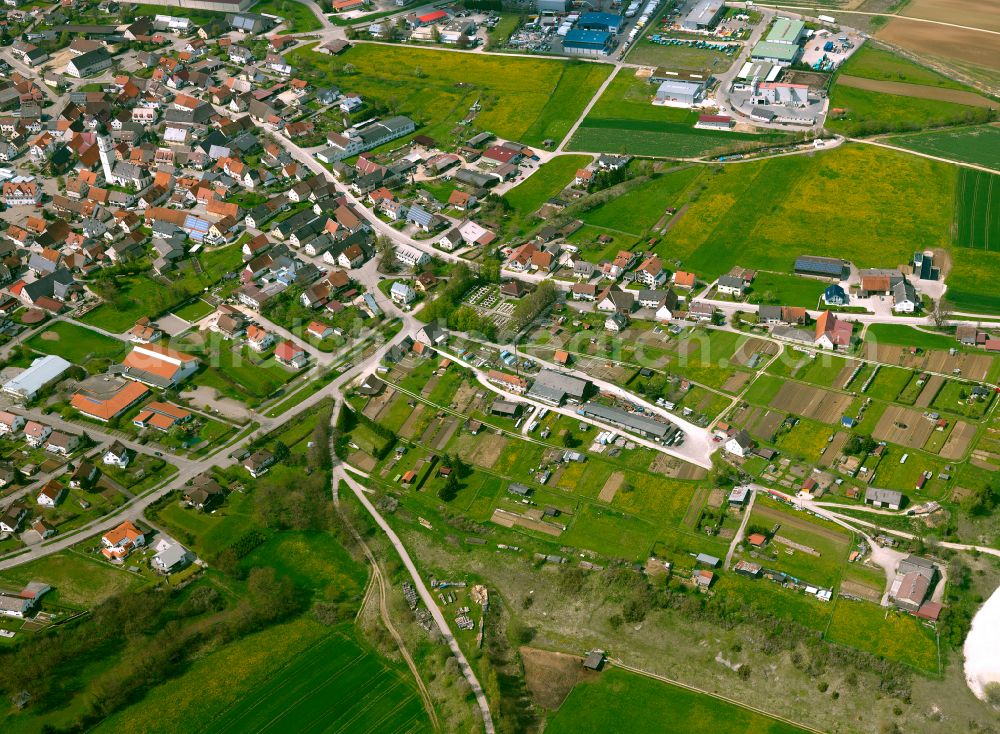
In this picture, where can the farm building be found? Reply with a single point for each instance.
(738, 497)
(521, 490)
(556, 387)
(646, 427)
(594, 660)
(588, 43)
(883, 498)
(832, 332)
(707, 560)
(553, 6)
(715, 122)
(923, 266)
(740, 444)
(704, 15)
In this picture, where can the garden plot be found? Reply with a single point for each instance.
(811, 402)
(611, 487)
(904, 426)
(958, 442)
(736, 382)
(930, 391)
(971, 366)
(833, 449)
(750, 347)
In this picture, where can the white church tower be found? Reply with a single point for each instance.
(105, 146)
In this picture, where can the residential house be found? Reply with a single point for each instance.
(51, 494)
(121, 541)
(117, 455)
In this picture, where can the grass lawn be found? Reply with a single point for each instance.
(786, 290)
(550, 179)
(978, 144)
(75, 578)
(194, 311)
(299, 18)
(238, 372)
(76, 344)
(529, 100)
(611, 533)
(809, 195)
(874, 112)
(312, 561)
(598, 704)
(806, 440)
(888, 383)
(804, 609)
(906, 336)
(210, 533)
(893, 635)
(641, 207)
(829, 540)
(198, 17)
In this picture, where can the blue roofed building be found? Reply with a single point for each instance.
(609, 22)
(588, 43)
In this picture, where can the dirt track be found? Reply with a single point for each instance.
(917, 90)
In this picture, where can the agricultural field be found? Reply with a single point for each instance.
(529, 100)
(623, 120)
(599, 704)
(966, 50)
(76, 344)
(977, 218)
(548, 181)
(641, 207)
(979, 144)
(893, 635)
(873, 62)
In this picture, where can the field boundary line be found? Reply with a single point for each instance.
(695, 689)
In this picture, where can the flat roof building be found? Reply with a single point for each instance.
(703, 15)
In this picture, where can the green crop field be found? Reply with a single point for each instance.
(891, 634)
(297, 675)
(76, 343)
(618, 700)
(661, 139)
(871, 62)
(336, 685)
(546, 182)
(529, 100)
(641, 207)
(979, 144)
(977, 219)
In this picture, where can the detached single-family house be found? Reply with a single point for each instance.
(740, 444)
(122, 540)
(117, 455)
(291, 355)
(402, 293)
(51, 494)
